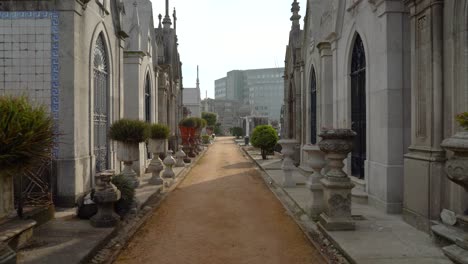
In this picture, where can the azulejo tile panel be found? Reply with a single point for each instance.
(29, 58)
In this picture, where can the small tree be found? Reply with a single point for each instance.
(237, 131)
(210, 118)
(265, 138)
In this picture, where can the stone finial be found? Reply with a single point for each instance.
(160, 17)
(167, 19)
(174, 16)
(295, 10)
(135, 30)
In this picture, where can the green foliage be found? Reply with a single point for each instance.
(237, 131)
(197, 121)
(159, 131)
(26, 136)
(129, 131)
(187, 122)
(203, 123)
(462, 120)
(210, 118)
(206, 139)
(127, 191)
(265, 138)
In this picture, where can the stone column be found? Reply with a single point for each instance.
(336, 144)
(316, 161)
(325, 92)
(288, 164)
(168, 174)
(423, 165)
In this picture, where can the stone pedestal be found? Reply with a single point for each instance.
(336, 144)
(180, 155)
(316, 162)
(105, 196)
(128, 153)
(288, 164)
(457, 171)
(168, 174)
(156, 165)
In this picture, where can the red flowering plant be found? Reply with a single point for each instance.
(462, 120)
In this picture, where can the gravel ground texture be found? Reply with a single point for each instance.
(221, 213)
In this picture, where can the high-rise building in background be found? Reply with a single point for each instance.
(258, 90)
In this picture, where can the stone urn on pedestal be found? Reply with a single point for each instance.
(129, 134)
(180, 156)
(157, 144)
(105, 196)
(457, 171)
(288, 165)
(336, 144)
(128, 153)
(317, 162)
(168, 174)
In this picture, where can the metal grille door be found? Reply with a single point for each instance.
(313, 108)
(101, 77)
(358, 108)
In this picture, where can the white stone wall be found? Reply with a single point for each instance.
(383, 28)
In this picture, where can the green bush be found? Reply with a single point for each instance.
(206, 139)
(462, 120)
(197, 121)
(187, 122)
(237, 132)
(210, 118)
(204, 123)
(127, 192)
(159, 131)
(129, 131)
(26, 137)
(265, 138)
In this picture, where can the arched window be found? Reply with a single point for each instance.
(101, 84)
(148, 99)
(358, 107)
(313, 107)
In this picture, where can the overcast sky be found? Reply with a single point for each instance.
(225, 35)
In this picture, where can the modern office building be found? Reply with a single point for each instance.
(261, 90)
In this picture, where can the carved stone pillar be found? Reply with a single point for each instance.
(288, 164)
(423, 165)
(105, 196)
(168, 174)
(336, 144)
(316, 162)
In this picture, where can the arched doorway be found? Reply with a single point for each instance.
(358, 107)
(101, 107)
(313, 108)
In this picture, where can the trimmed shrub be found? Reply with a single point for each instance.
(129, 131)
(159, 131)
(187, 122)
(26, 135)
(237, 132)
(265, 138)
(210, 118)
(127, 191)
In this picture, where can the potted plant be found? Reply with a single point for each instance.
(265, 138)
(26, 140)
(185, 125)
(129, 134)
(457, 165)
(157, 144)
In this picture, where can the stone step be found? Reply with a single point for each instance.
(359, 196)
(456, 254)
(16, 232)
(446, 234)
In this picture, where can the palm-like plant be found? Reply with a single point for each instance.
(26, 135)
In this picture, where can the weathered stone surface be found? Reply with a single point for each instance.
(448, 217)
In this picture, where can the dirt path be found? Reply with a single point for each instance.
(221, 213)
